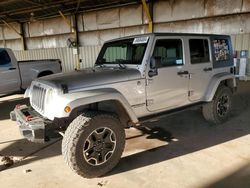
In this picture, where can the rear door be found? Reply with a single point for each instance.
(200, 67)
(169, 88)
(9, 74)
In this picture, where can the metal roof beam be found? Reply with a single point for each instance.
(7, 2)
(33, 3)
(37, 8)
(44, 9)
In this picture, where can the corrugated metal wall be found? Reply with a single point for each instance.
(97, 26)
(88, 54)
(241, 42)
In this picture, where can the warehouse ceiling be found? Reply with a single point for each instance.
(32, 10)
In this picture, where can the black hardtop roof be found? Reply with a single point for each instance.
(187, 34)
(169, 34)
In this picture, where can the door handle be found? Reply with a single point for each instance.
(182, 73)
(12, 68)
(208, 69)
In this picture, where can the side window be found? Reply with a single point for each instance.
(221, 49)
(199, 51)
(168, 52)
(4, 57)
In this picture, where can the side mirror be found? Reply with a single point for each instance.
(153, 70)
(152, 63)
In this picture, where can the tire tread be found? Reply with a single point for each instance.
(208, 109)
(71, 137)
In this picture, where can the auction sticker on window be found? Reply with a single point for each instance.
(140, 40)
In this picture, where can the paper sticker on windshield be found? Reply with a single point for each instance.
(140, 40)
(179, 62)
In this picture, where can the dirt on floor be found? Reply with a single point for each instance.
(179, 151)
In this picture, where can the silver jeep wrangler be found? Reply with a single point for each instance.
(134, 79)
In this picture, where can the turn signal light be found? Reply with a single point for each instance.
(67, 109)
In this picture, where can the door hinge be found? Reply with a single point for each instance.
(149, 81)
(189, 76)
(149, 102)
(190, 93)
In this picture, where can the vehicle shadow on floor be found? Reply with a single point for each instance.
(187, 132)
(6, 106)
(183, 133)
(22, 152)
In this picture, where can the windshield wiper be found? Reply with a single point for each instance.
(100, 65)
(120, 63)
(122, 66)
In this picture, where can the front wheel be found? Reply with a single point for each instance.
(218, 110)
(93, 144)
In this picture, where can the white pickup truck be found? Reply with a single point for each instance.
(17, 75)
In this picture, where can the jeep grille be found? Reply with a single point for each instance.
(38, 98)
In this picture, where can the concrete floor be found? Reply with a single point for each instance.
(181, 151)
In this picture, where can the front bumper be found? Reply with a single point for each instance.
(32, 125)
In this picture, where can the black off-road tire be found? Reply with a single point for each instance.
(78, 132)
(210, 111)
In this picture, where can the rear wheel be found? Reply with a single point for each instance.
(218, 110)
(93, 144)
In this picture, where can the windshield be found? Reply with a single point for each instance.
(128, 51)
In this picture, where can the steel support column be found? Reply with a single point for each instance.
(17, 32)
(74, 28)
(23, 40)
(149, 13)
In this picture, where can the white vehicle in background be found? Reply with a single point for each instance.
(17, 75)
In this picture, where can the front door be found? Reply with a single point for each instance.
(9, 74)
(169, 88)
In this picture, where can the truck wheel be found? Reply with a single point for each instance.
(218, 110)
(93, 144)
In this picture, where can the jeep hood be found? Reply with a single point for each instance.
(90, 77)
